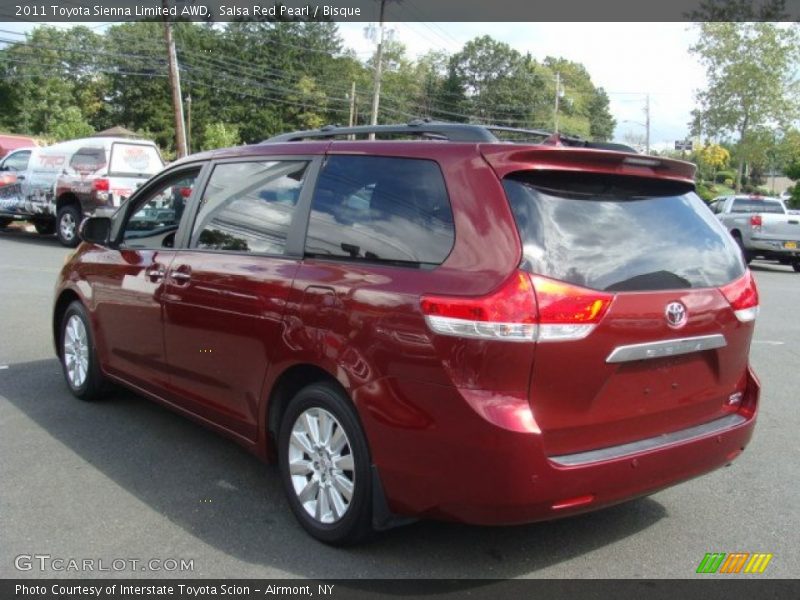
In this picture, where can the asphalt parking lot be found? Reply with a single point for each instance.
(126, 479)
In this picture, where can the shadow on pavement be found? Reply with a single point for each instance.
(172, 464)
(18, 234)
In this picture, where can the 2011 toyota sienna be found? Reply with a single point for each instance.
(444, 325)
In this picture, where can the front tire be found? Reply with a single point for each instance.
(5, 222)
(325, 465)
(78, 355)
(796, 266)
(69, 217)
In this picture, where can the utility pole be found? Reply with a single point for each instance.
(376, 96)
(352, 104)
(555, 112)
(647, 124)
(175, 84)
(189, 123)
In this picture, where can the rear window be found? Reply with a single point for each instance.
(620, 233)
(134, 160)
(381, 209)
(754, 205)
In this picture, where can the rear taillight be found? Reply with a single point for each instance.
(756, 222)
(742, 295)
(101, 185)
(524, 308)
(568, 312)
(509, 313)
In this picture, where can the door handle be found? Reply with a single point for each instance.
(181, 275)
(155, 272)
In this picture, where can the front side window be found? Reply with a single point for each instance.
(17, 161)
(156, 217)
(381, 209)
(248, 206)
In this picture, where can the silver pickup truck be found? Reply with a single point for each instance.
(762, 227)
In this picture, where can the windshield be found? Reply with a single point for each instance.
(617, 234)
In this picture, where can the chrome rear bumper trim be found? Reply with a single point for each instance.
(684, 435)
(664, 348)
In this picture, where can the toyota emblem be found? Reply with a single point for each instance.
(676, 314)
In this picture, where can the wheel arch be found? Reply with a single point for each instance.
(67, 297)
(290, 381)
(67, 199)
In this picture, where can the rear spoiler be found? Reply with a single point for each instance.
(506, 160)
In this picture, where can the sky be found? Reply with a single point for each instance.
(629, 60)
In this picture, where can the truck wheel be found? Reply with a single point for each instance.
(745, 254)
(796, 266)
(69, 217)
(4, 223)
(45, 227)
(78, 355)
(325, 465)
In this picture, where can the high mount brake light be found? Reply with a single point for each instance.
(742, 295)
(524, 308)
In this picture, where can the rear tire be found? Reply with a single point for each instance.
(78, 355)
(325, 465)
(4, 222)
(45, 227)
(745, 254)
(67, 222)
(796, 266)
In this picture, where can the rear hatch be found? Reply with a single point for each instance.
(645, 307)
(130, 165)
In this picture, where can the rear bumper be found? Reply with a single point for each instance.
(460, 465)
(776, 247)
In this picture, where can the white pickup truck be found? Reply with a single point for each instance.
(762, 227)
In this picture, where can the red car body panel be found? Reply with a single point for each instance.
(458, 428)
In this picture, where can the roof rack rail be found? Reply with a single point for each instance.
(452, 132)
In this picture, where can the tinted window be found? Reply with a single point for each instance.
(88, 160)
(753, 205)
(248, 206)
(17, 161)
(610, 234)
(158, 213)
(381, 209)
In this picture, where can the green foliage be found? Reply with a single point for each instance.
(751, 83)
(267, 77)
(706, 192)
(219, 135)
(792, 170)
(724, 176)
(70, 125)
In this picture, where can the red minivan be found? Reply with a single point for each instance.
(435, 323)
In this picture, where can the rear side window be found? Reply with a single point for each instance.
(748, 205)
(612, 233)
(381, 209)
(248, 206)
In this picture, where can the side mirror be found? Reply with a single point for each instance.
(96, 230)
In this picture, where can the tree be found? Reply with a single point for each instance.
(70, 125)
(219, 135)
(749, 67)
(714, 157)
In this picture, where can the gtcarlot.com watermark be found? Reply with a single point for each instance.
(47, 563)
